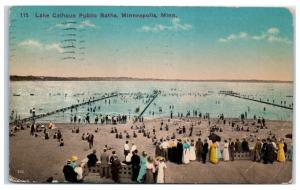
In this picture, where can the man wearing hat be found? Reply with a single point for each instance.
(257, 150)
(179, 152)
(115, 167)
(205, 151)
(135, 162)
(231, 149)
(104, 167)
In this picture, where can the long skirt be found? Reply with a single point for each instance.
(213, 156)
(186, 156)
(226, 154)
(142, 174)
(192, 153)
(149, 176)
(280, 155)
(219, 154)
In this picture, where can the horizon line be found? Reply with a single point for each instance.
(122, 78)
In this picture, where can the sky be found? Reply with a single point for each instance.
(193, 43)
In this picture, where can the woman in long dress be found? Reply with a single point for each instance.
(143, 167)
(226, 151)
(192, 151)
(213, 153)
(219, 154)
(161, 174)
(186, 153)
(150, 171)
(280, 152)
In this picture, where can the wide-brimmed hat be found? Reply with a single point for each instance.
(73, 158)
(160, 158)
(150, 159)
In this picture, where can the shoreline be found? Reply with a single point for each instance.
(166, 118)
(15, 78)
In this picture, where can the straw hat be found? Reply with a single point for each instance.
(73, 158)
(160, 158)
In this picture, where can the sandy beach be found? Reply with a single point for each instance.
(35, 159)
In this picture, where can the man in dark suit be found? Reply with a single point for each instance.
(179, 152)
(90, 140)
(237, 146)
(204, 152)
(231, 149)
(199, 149)
(92, 159)
(115, 168)
(135, 165)
(270, 155)
(245, 146)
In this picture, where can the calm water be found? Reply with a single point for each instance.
(200, 96)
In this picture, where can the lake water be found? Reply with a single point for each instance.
(201, 96)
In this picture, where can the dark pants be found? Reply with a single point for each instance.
(231, 155)
(126, 152)
(91, 143)
(115, 176)
(199, 156)
(135, 172)
(203, 156)
(165, 154)
(104, 171)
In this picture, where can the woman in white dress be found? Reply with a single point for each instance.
(186, 153)
(192, 151)
(160, 173)
(226, 151)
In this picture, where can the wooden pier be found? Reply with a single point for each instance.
(63, 109)
(237, 95)
(153, 98)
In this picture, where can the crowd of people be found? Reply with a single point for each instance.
(144, 168)
(151, 169)
(182, 151)
(180, 148)
(99, 119)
